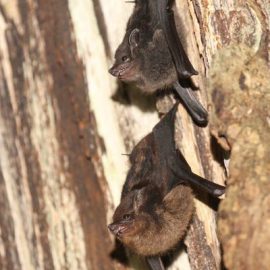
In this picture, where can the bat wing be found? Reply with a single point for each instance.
(192, 179)
(164, 134)
(155, 263)
(141, 169)
(183, 66)
(194, 107)
(172, 163)
(164, 143)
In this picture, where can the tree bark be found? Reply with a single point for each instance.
(65, 123)
(242, 113)
(52, 179)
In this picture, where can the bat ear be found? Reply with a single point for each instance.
(134, 38)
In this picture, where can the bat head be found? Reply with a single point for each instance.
(149, 224)
(125, 66)
(144, 60)
(130, 216)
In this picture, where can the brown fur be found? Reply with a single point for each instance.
(154, 233)
(156, 65)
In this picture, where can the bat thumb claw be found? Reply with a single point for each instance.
(218, 192)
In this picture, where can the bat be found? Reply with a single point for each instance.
(152, 57)
(157, 199)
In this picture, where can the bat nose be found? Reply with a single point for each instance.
(113, 71)
(113, 228)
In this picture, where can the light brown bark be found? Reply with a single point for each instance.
(241, 104)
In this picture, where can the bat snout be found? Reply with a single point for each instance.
(122, 71)
(117, 228)
(113, 228)
(114, 71)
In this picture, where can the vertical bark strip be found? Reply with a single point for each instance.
(241, 100)
(51, 174)
(217, 24)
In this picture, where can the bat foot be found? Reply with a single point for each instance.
(187, 74)
(219, 191)
(155, 263)
(200, 120)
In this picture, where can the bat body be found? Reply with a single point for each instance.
(157, 202)
(152, 56)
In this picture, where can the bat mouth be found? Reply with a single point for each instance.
(126, 74)
(119, 229)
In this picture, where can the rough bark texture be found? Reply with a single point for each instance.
(222, 23)
(52, 202)
(242, 102)
(64, 123)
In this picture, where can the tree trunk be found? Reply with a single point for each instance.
(242, 113)
(65, 125)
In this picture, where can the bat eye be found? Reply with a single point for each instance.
(126, 217)
(125, 58)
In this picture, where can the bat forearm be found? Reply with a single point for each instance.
(194, 107)
(182, 63)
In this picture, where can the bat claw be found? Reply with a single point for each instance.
(218, 192)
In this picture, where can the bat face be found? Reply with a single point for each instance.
(149, 225)
(128, 219)
(142, 64)
(124, 219)
(126, 68)
(129, 222)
